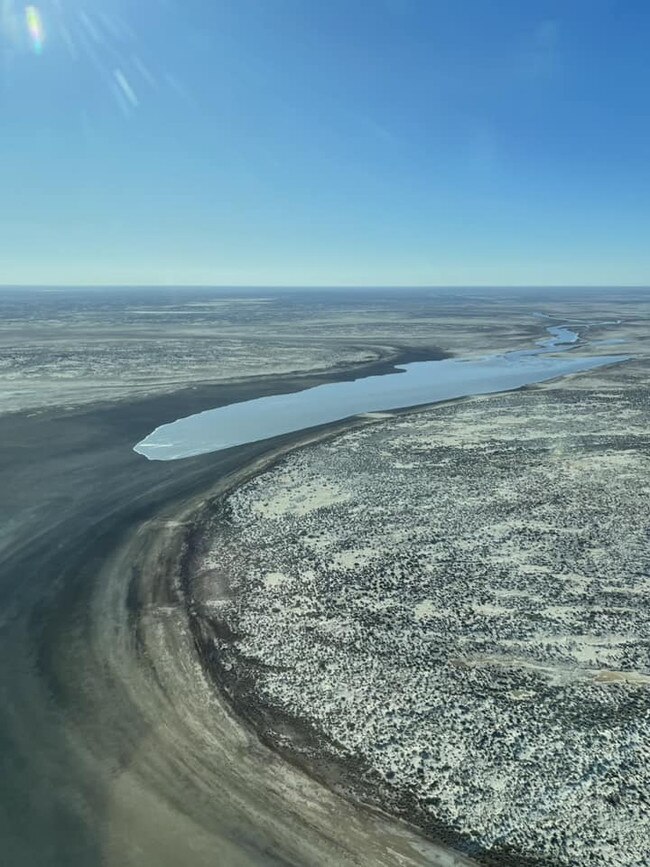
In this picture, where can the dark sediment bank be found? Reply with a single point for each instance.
(114, 750)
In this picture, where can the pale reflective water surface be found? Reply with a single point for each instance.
(415, 384)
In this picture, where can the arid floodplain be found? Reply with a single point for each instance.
(417, 637)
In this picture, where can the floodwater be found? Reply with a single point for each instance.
(560, 336)
(415, 384)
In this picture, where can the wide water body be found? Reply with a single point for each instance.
(415, 384)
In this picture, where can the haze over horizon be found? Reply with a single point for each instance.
(332, 287)
(397, 143)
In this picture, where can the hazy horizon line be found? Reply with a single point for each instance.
(323, 286)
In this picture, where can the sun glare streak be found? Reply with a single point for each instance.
(102, 42)
(35, 28)
(126, 88)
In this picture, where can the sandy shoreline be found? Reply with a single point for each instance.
(371, 837)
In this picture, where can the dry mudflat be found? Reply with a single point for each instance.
(115, 748)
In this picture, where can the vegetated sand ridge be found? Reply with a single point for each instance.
(450, 607)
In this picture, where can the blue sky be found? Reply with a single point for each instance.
(325, 142)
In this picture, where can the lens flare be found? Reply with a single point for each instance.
(35, 28)
(103, 45)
